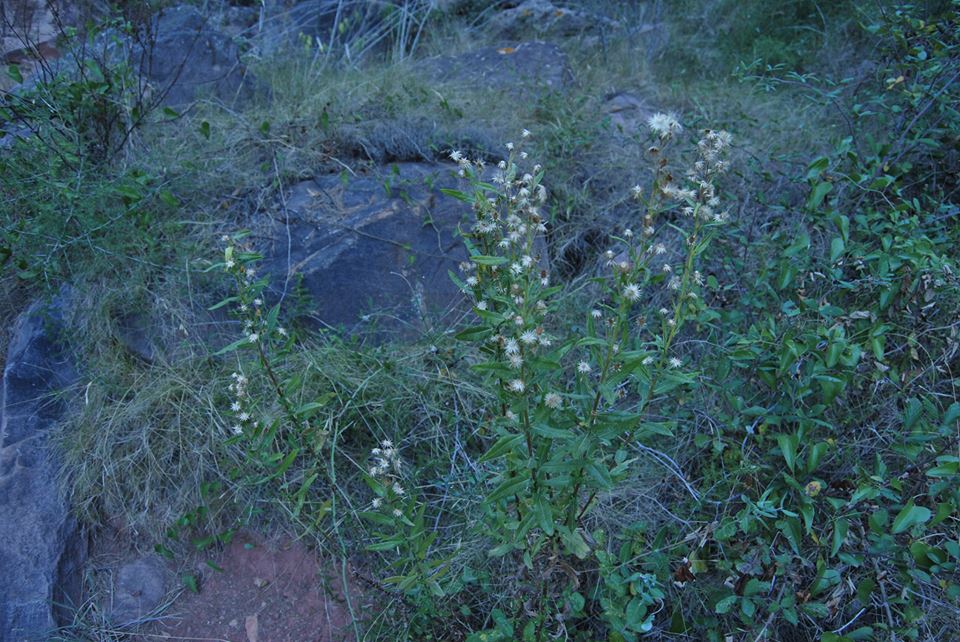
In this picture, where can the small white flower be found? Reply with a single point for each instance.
(482, 305)
(675, 363)
(386, 443)
(517, 385)
(230, 263)
(250, 273)
(631, 292)
(659, 248)
(596, 314)
(636, 191)
(244, 416)
(235, 406)
(628, 233)
(526, 260)
(282, 332)
(375, 504)
(664, 124)
(524, 134)
(511, 346)
(674, 283)
(398, 489)
(664, 311)
(647, 360)
(509, 146)
(472, 281)
(397, 512)
(524, 155)
(666, 268)
(529, 337)
(455, 156)
(583, 367)
(236, 429)
(511, 415)
(257, 302)
(552, 400)
(516, 361)
(254, 337)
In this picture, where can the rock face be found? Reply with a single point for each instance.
(41, 547)
(188, 58)
(372, 250)
(538, 64)
(342, 21)
(542, 17)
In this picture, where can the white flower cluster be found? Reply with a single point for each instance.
(386, 469)
(386, 461)
(508, 223)
(238, 388)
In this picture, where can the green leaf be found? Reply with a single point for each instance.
(503, 445)
(239, 343)
(190, 581)
(481, 259)
(840, 528)
(575, 543)
(473, 334)
(227, 301)
(457, 194)
(818, 194)
(544, 515)
(910, 516)
(386, 545)
(724, 605)
(788, 447)
(836, 248)
(508, 487)
(14, 72)
(815, 455)
(205, 129)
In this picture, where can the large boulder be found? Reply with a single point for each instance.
(540, 65)
(42, 549)
(373, 251)
(186, 59)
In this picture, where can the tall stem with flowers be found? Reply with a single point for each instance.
(557, 441)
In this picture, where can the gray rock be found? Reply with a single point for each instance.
(139, 587)
(42, 549)
(628, 112)
(368, 254)
(542, 18)
(530, 64)
(188, 59)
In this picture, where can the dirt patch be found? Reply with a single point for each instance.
(273, 590)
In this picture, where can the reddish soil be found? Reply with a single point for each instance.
(268, 591)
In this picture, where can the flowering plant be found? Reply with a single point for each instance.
(570, 410)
